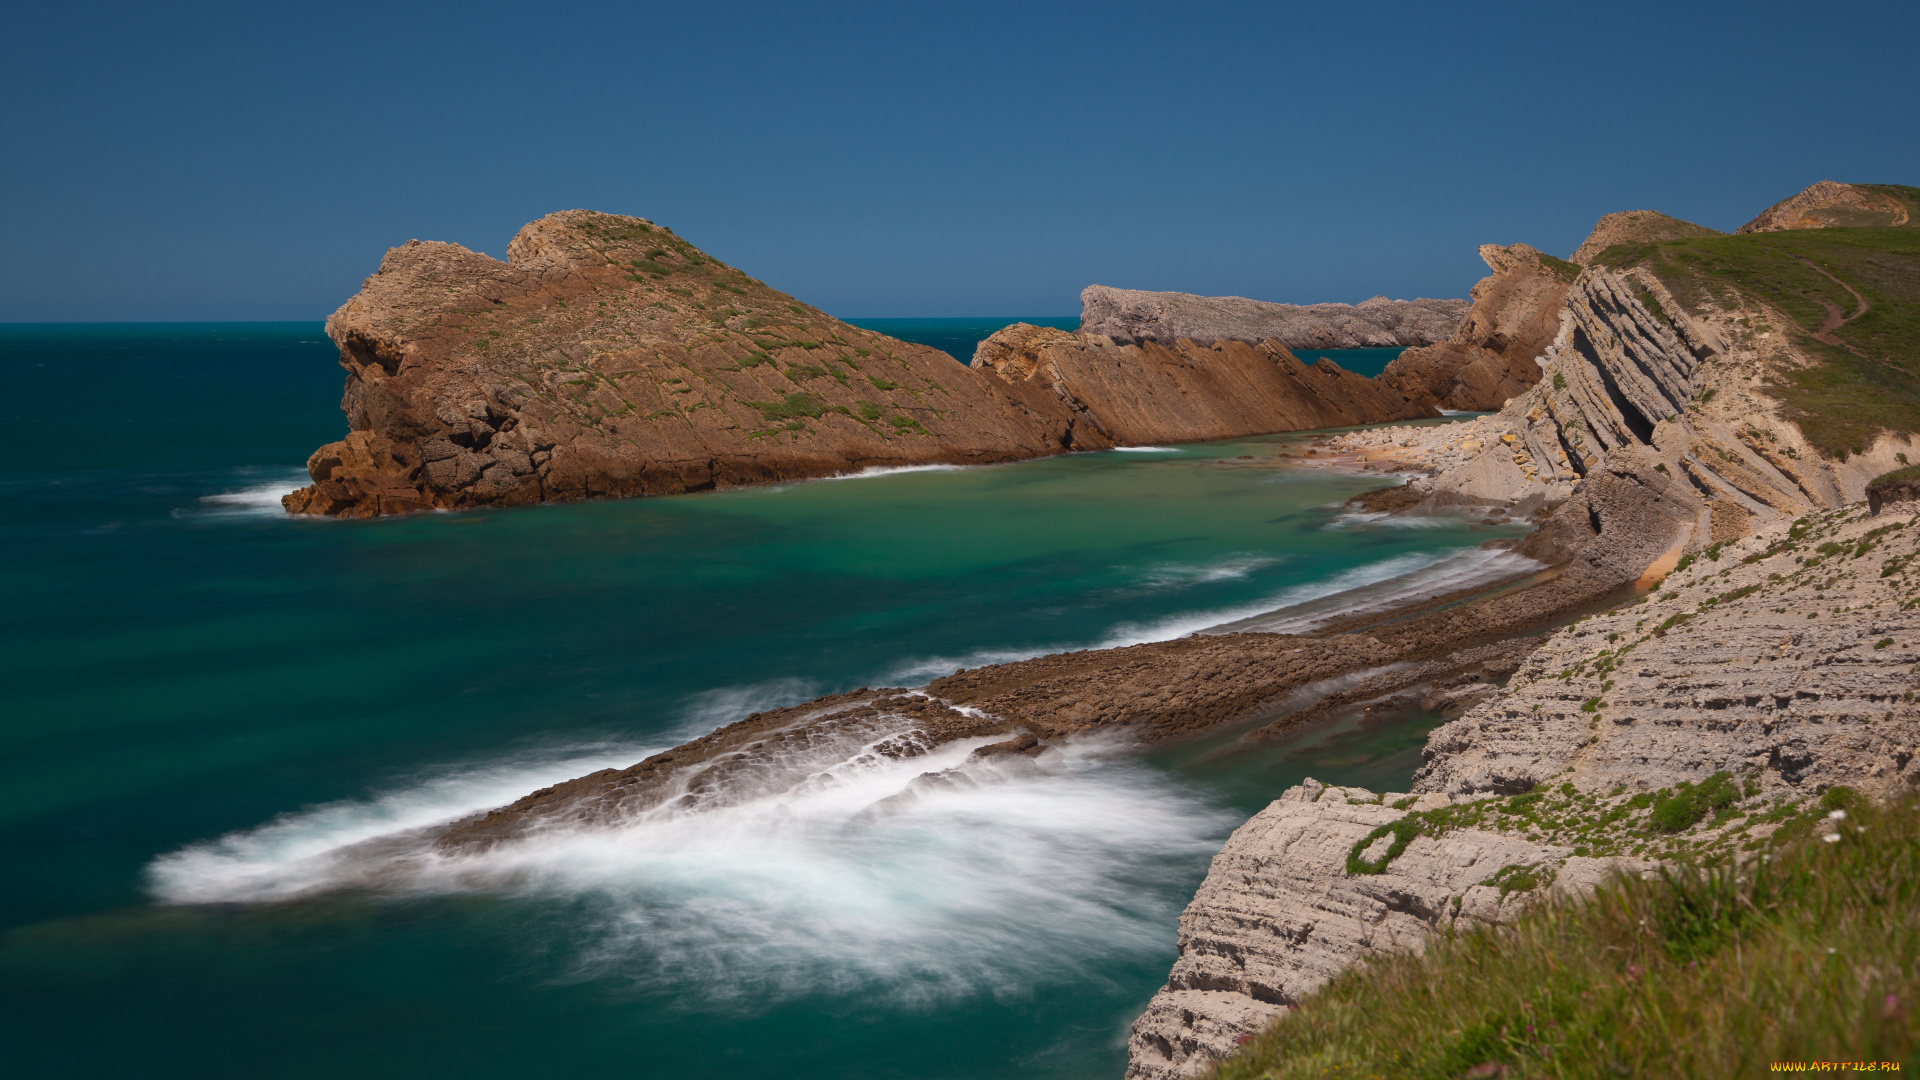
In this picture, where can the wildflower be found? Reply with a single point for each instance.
(1838, 815)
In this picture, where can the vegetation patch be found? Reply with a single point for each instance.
(1868, 383)
(1704, 970)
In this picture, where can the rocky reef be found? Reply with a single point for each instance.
(1128, 315)
(607, 357)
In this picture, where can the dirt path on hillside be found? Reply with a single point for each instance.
(1835, 320)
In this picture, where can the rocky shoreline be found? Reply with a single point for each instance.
(1705, 616)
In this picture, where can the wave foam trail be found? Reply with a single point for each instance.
(313, 850)
(1369, 589)
(1360, 591)
(842, 871)
(889, 470)
(1146, 449)
(260, 498)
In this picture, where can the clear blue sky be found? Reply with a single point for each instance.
(252, 161)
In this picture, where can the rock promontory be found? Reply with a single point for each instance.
(607, 357)
(1128, 315)
(1489, 358)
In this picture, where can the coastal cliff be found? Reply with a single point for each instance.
(607, 358)
(1183, 391)
(1703, 719)
(1490, 357)
(1128, 315)
(1739, 391)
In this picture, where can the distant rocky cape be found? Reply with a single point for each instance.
(607, 357)
(1138, 315)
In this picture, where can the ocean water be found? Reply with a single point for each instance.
(221, 723)
(958, 337)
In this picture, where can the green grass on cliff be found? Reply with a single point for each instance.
(1809, 954)
(1867, 384)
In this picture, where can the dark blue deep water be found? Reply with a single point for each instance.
(205, 706)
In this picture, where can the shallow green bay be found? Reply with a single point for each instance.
(182, 663)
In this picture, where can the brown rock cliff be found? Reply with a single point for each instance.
(1182, 391)
(1515, 315)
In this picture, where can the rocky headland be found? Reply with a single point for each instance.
(607, 357)
(1713, 622)
(1128, 315)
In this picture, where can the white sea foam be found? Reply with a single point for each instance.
(255, 499)
(1182, 575)
(1370, 589)
(1357, 518)
(703, 712)
(872, 471)
(308, 851)
(838, 871)
(1146, 449)
(1364, 589)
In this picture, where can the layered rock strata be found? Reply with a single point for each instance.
(1126, 315)
(1764, 672)
(1490, 357)
(606, 357)
(1670, 397)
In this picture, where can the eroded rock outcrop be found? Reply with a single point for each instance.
(607, 357)
(1182, 391)
(1829, 204)
(1673, 397)
(1138, 315)
(1490, 358)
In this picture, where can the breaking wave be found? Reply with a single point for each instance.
(260, 499)
(847, 870)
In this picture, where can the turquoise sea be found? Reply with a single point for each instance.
(214, 713)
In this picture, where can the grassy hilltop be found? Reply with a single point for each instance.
(1853, 296)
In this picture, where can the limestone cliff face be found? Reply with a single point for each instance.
(1828, 205)
(1672, 397)
(1279, 914)
(1784, 661)
(1166, 317)
(608, 357)
(1182, 391)
(1491, 356)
